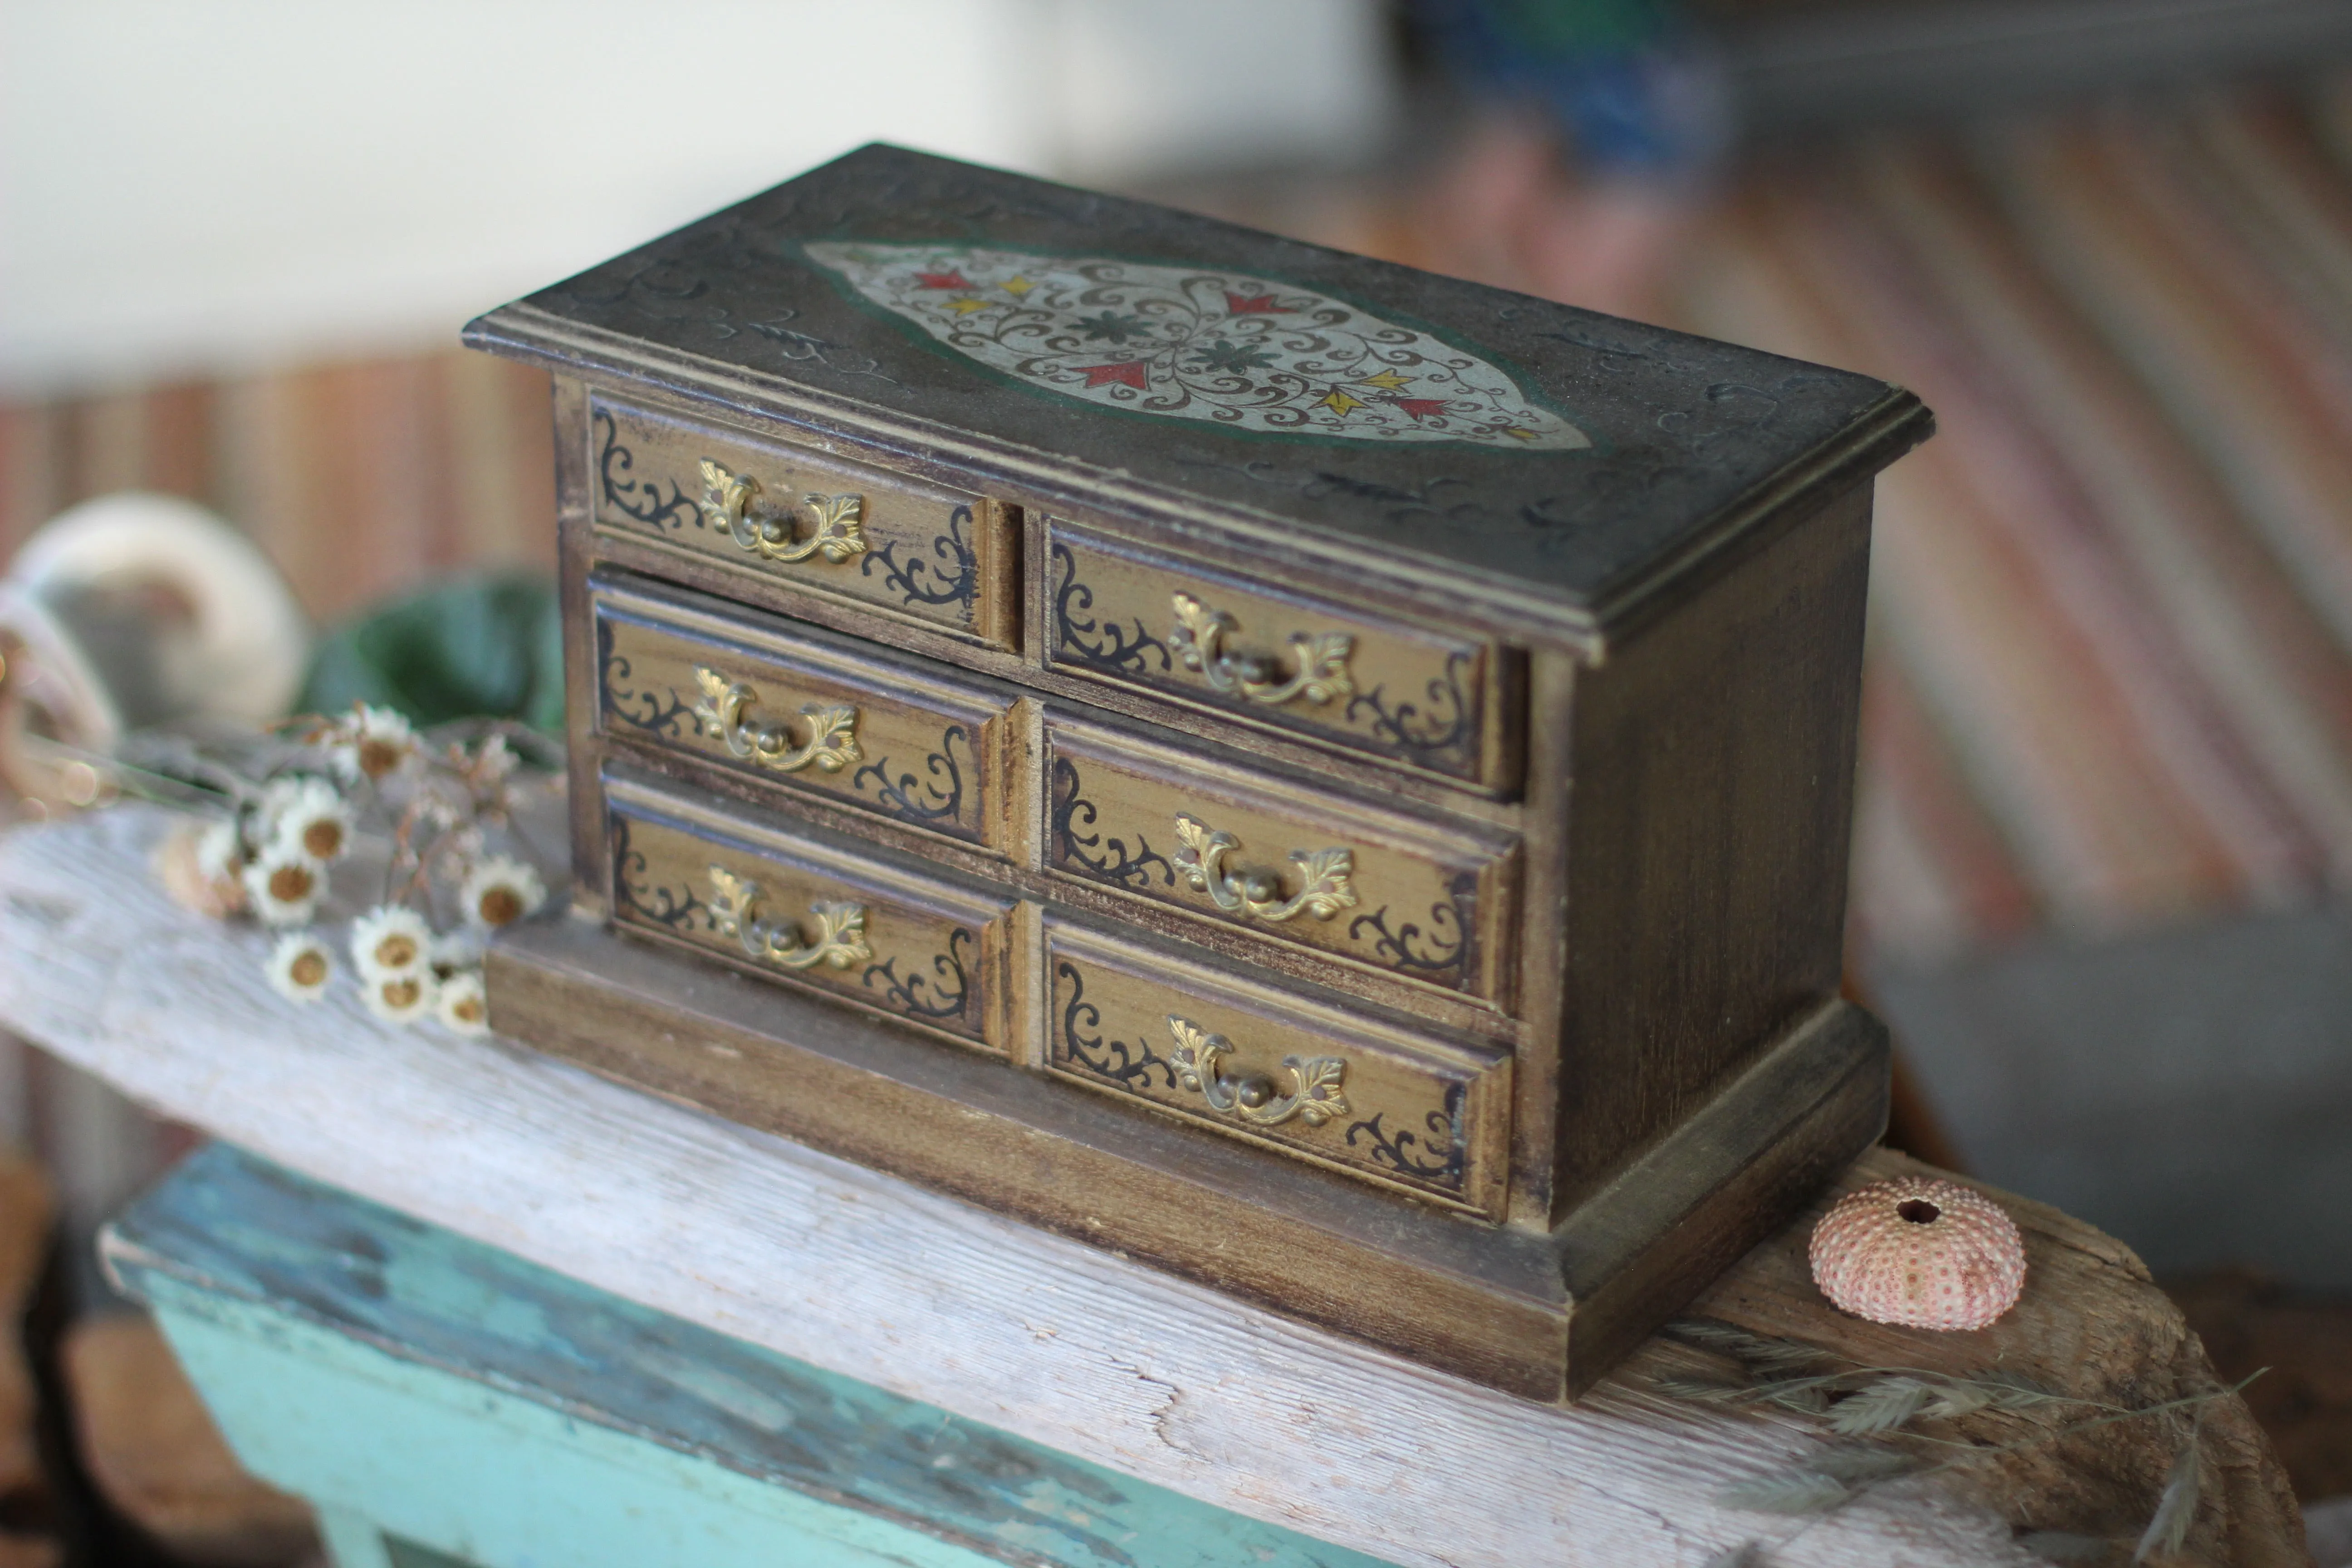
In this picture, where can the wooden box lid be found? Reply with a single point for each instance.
(1561, 465)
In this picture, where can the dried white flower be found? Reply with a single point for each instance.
(309, 814)
(300, 966)
(371, 742)
(463, 1006)
(500, 890)
(220, 852)
(284, 888)
(401, 999)
(388, 941)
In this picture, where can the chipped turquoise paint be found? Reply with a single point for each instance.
(478, 1405)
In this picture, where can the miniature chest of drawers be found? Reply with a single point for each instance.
(1329, 779)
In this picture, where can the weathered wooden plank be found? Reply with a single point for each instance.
(353, 1290)
(1087, 1353)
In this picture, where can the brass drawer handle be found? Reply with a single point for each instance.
(1314, 1096)
(840, 927)
(1324, 890)
(833, 731)
(1199, 640)
(730, 501)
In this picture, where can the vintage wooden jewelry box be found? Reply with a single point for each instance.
(1328, 778)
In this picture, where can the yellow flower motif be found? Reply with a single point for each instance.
(300, 967)
(1386, 380)
(388, 941)
(402, 998)
(462, 1005)
(1338, 402)
(309, 814)
(500, 890)
(284, 888)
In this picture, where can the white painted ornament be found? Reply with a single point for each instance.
(1919, 1252)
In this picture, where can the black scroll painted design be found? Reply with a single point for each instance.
(634, 498)
(663, 713)
(939, 994)
(1440, 949)
(921, 582)
(1102, 646)
(1112, 861)
(662, 906)
(1130, 1066)
(1447, 725)
(1434, 1154)
(928, 801)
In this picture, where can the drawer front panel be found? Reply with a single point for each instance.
(807, 916)
(1409, 697)
(803, 522)
(858, 728)
(1399, 1110)
(1288, 861)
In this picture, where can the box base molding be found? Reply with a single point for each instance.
(1538, 1315)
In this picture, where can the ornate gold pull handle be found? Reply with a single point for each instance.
(1314, 1095)
(1199, 640)
(840, 927)
(1323, 892)
(731, 502)
(833, 731)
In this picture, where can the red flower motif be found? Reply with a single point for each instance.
(1253, 305)
(1420, 408)
(940, 281)
(1127, 372)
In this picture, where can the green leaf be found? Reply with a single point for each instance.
(482, 646)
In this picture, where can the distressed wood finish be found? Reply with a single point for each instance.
(1407, 1109)
(924, 749)
(921, 552)
(1431, 900)
(1409, 695)
(1380, 647)
(342, 1346)
(1069, 1345)
(919, 950)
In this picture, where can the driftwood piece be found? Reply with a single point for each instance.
(154, 1452)
(863, 1274)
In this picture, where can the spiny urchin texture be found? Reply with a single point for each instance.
(1920, 1252)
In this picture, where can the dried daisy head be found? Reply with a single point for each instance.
(500, 890)
(309, 814)
(401, 999)
(388, 941)
(198, 874)
(462, 1004)
(300, 966)
(220, 852)
(284, 888)
(371, 743)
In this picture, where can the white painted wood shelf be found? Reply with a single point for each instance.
(933, 1298)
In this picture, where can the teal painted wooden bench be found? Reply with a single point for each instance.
(439, 1399)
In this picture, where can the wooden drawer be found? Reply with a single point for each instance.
(1408, 696)
(803, 914)
(792, 522)
(1411, 1110)
(843, 723)
(1289, 862)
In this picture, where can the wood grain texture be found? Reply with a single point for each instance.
(934, 1300)
(298, 1306)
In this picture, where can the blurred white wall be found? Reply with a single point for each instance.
(190, 188)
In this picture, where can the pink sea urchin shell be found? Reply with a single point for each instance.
(1924, 1253)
